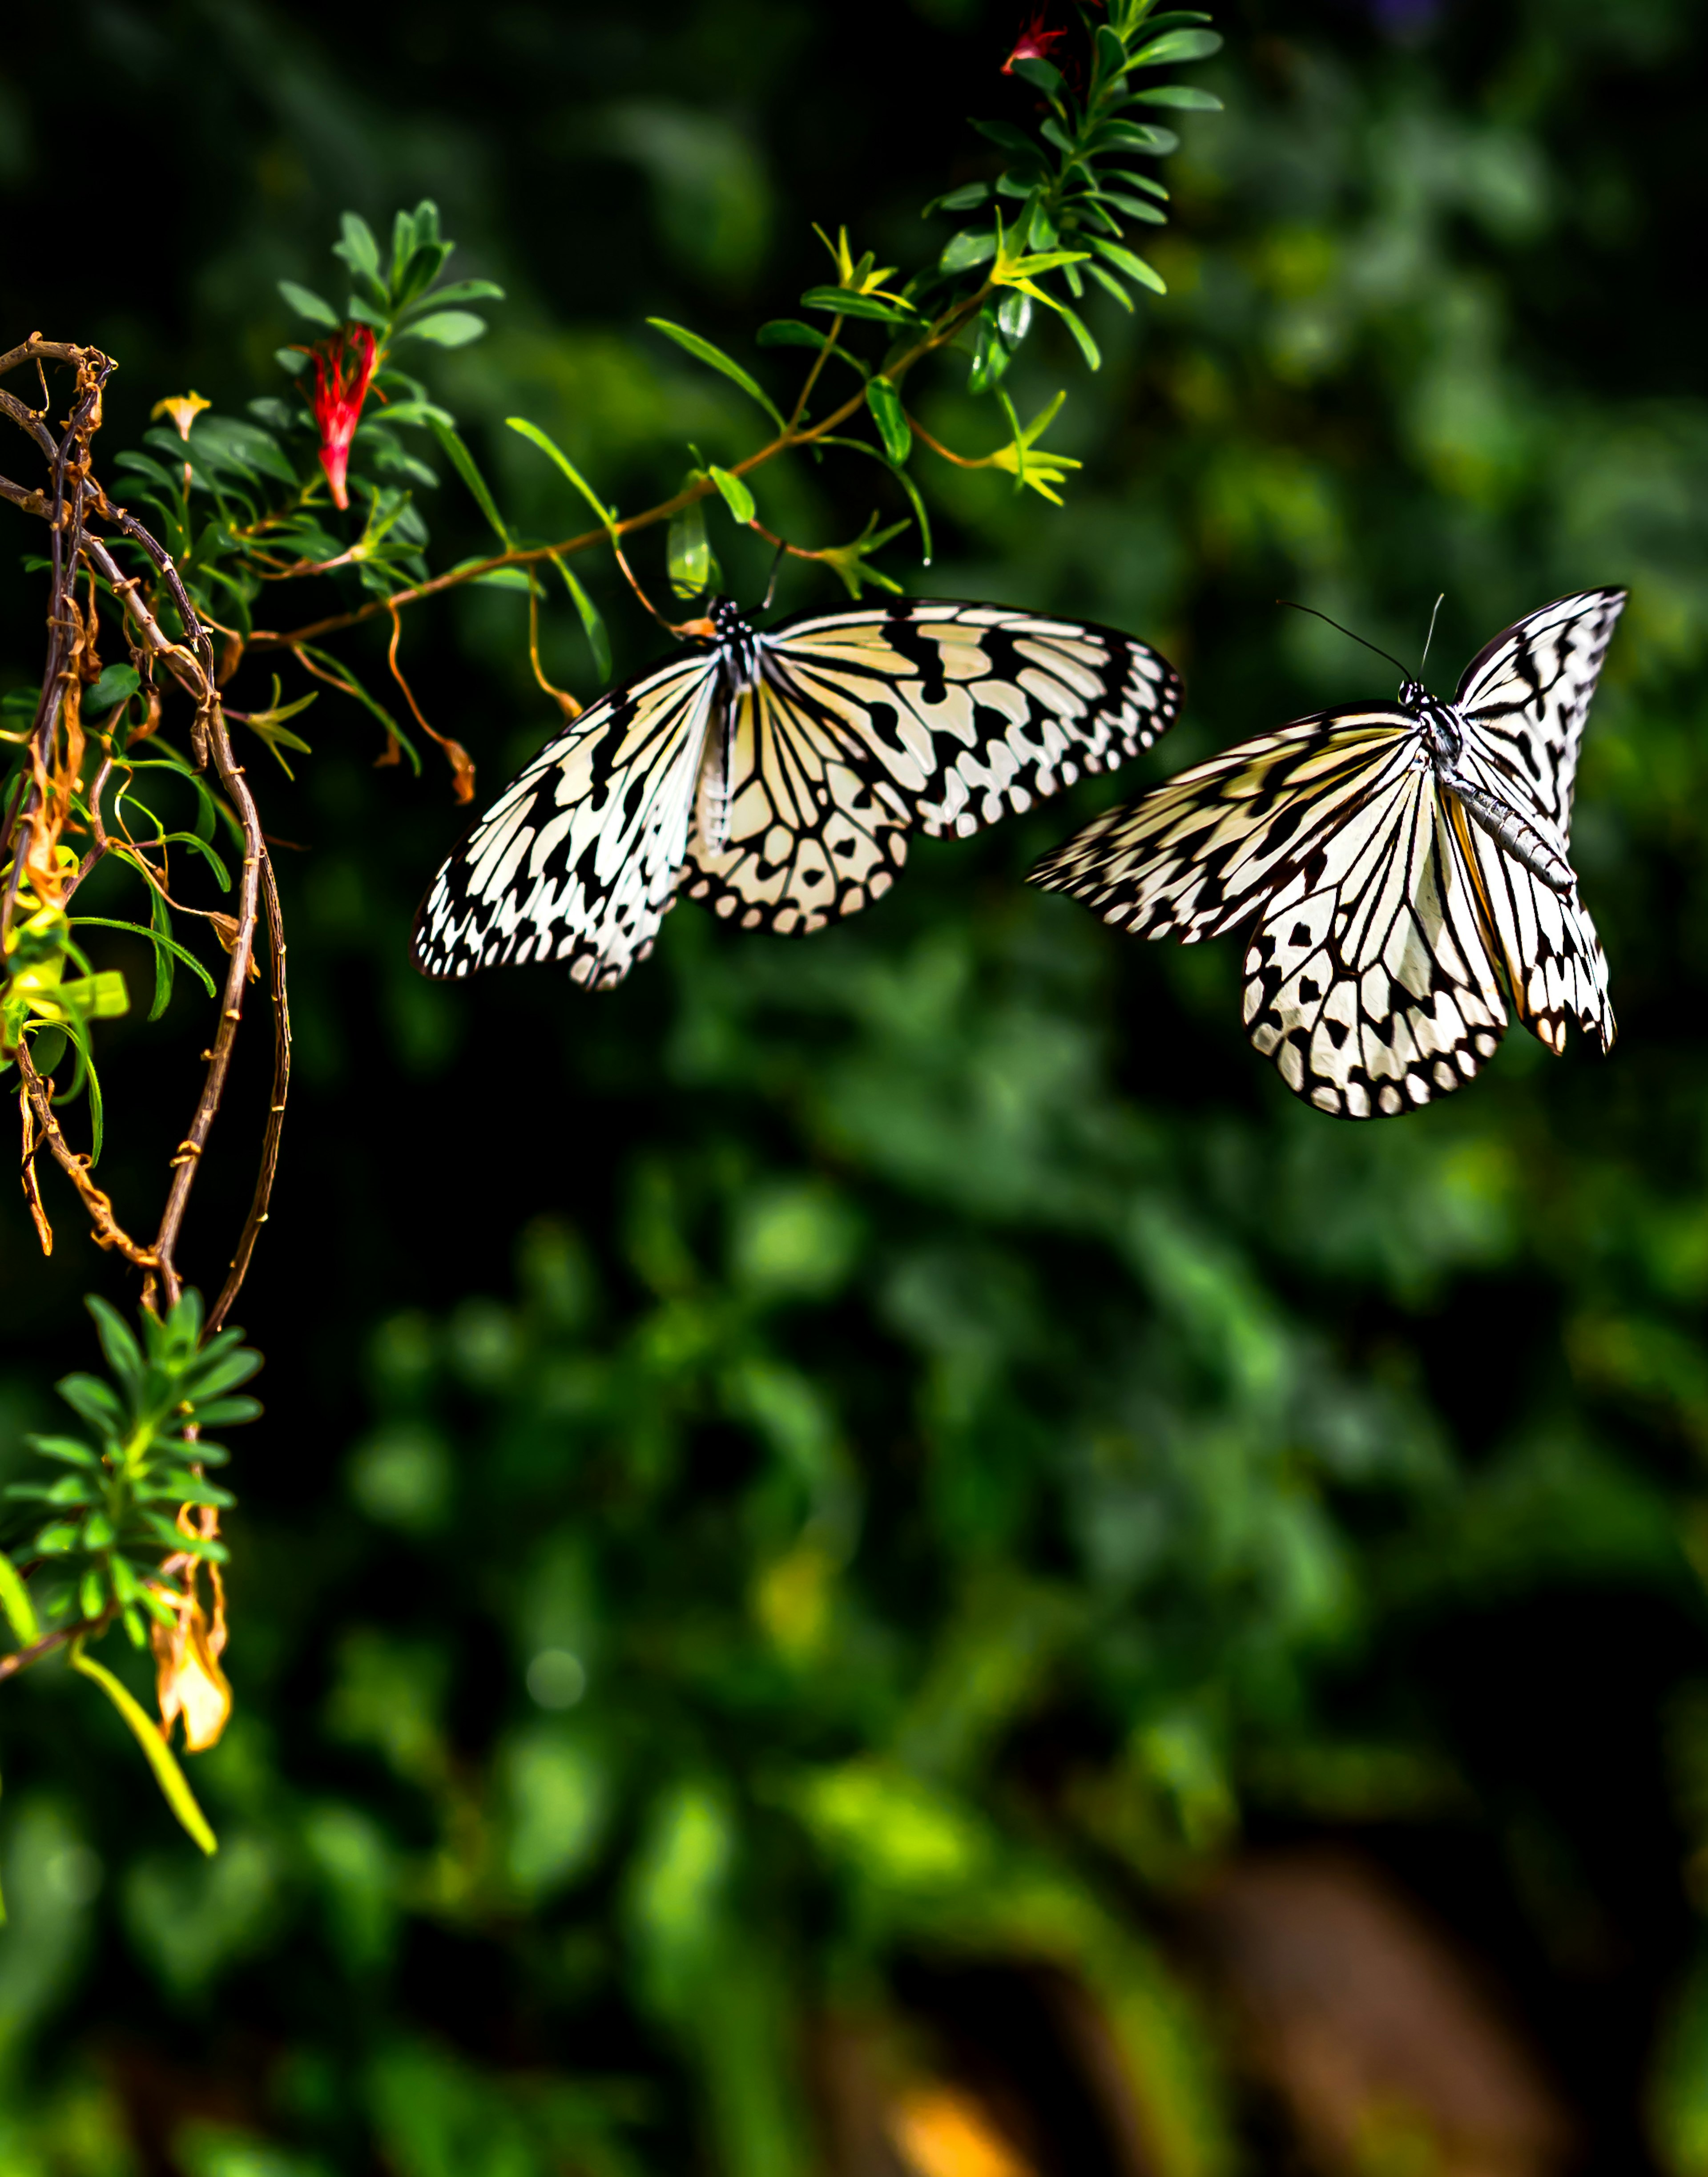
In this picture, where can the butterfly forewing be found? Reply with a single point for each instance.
(1525, 694)
(914, 716)
(1200, 855)
(578, 859)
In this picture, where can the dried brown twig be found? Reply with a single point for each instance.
(71, 504)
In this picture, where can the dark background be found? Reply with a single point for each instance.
(1006, 1474)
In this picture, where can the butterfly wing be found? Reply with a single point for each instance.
(1368, 981)
(911, 716)
(1544, 939)
(1525, 697)
(579, 858)
(1202, 854)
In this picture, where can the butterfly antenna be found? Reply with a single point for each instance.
(1346, 631)
(1429, 637)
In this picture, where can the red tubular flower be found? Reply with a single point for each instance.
(343, 366)
(1033, 42)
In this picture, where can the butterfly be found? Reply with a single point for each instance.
(776, 776)
(1399, 864)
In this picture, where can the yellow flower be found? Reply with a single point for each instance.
(183, 408)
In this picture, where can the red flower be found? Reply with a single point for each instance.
(343, 368)
(1033, 42)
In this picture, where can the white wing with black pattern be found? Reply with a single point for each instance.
(577, 861)
(1525, 694)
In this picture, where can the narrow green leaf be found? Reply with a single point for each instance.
(158, 938)
(961, 200)
(906, 483)
(307, 305)
(148, 1735)
(1177, 45)
(1135, 136)
(735, 494)
(890, 419)
(1137, 208)
(1134, 267)
(593, 625)
(459, 290)
(1107, 280)
(14, 1601)
(444, 329)
(1011, 139)
(457, 454)
(1088, 346)
(535, 436)
(846, 303)
(707, 353)
(1186, 97)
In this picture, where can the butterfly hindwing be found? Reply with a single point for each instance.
(578, 859)
(1368, 980)
(1525, 694)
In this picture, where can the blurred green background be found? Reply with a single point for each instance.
(877, 1552)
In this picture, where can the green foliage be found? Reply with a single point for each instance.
(965, 1453)
(110, 1511)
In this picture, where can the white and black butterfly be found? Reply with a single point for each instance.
(1402, 863)
(778, 774)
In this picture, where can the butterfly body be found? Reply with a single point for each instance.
(775, 775)
(1399, 865)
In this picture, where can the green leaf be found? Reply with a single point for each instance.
(707, 353)
(1041, 71)
(1177, 45)
(535, 436)
(688, 552)
(1088, 346)
(1186, 97)
(1135, 207)
(734, 495)
(148, 1735)
(14, 1601)
(358, 248)
(1011, 139)
(1134, 267)
(1135, 136)
(293, 359)
(1110, 285)
(848, 303)
(906, 483)
(457, 454)
(975, 246)
(1108, 52)
(961, 200)
(115, 683)
(444, 329)
(158, 938)
(593, 625)
(307, 305)
(889, 414)
(459, 290)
